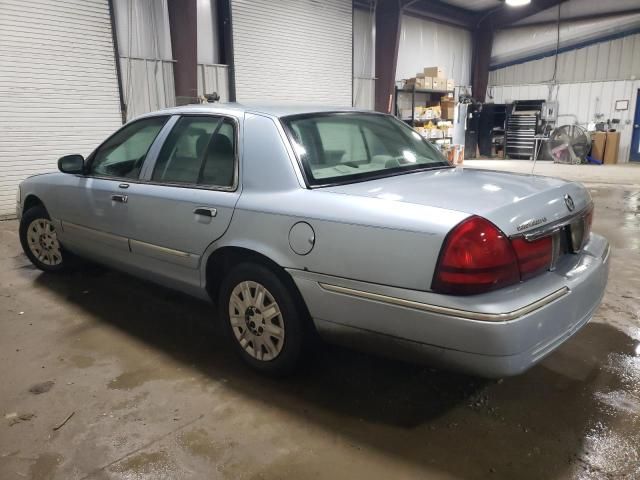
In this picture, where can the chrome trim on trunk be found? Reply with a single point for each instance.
(454, 312)
(552, 227)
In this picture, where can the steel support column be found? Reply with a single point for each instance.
(183, 20)
(388, 14)
(482, 44)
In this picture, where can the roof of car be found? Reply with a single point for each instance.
(239, 108)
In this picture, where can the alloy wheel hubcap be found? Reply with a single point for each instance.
(256, 320)
(43, 242)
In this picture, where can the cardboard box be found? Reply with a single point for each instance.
(426, 83)
(612, 146)
(435, 72)
(447, 109)
(439, 84)
(409, 82)
(598, 142)
(450, 85)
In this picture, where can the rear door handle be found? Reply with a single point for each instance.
(119, 198)
(206, 211)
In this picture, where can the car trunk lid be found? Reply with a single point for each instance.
(515, 203)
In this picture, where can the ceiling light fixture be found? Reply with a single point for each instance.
(517, 3)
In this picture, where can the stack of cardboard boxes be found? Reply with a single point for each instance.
(431, 78)
(605, 146)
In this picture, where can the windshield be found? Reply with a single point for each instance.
(348, 147)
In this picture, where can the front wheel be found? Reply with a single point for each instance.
(263, 319)
(40, 242)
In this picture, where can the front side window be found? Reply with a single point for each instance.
(200, 151)
(123, 154)
(346, 147)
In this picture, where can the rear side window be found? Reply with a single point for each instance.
(199, 150)
(123, 154)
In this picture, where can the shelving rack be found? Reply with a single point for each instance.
(434, 96)
(413, 91)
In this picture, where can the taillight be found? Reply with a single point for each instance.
(476, 257)
(533, 257)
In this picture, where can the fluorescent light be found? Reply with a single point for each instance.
(517, 3)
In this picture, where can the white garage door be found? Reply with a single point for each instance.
(293, 51)
(58, 86)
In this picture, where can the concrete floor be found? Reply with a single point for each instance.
(155, 392)
(621, 174)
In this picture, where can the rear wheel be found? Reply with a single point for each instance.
(39, 240)
(262, 318)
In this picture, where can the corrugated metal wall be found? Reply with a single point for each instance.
(293, 51)
(58, 86)
(617, 59)
(581, 102)
(516, 44)
(590, 80)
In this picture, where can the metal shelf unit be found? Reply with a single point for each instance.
(413, 91)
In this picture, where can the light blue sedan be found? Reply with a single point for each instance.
(297, 221)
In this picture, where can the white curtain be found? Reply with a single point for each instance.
(208, 44)
(144, 47)
(428, 44)
(364, 69)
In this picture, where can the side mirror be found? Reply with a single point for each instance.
(71, 164)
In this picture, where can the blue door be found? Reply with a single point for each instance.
(635, 138)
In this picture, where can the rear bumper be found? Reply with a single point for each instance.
(496, 334)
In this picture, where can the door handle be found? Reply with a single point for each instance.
(206, 211)
(119, 198)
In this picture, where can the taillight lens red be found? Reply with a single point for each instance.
(476, 257)
(533, 257)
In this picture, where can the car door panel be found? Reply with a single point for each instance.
(93, 207)
(163, 224)
(171, 217)
(89, 215)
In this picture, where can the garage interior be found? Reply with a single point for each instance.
(107, 376)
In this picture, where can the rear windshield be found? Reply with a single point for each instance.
(349, 147)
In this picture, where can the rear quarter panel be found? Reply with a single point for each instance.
(371, 240)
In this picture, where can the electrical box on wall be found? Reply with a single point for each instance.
(549, 111)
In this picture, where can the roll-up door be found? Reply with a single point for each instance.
(293, 51)
(58, 86)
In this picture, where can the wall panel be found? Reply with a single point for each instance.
(581, 102)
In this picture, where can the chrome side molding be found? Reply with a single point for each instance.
(158, 248)
(453, 312)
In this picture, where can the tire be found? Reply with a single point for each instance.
(277, 325)
(40, 242)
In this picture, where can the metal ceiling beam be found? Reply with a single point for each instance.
(506, 15)
(441, 12)
(488, 22)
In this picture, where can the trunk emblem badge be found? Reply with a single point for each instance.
(569, 203)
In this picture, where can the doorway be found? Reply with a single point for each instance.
(634, 156)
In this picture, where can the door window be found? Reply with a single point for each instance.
(200, 151)
(123, 154)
